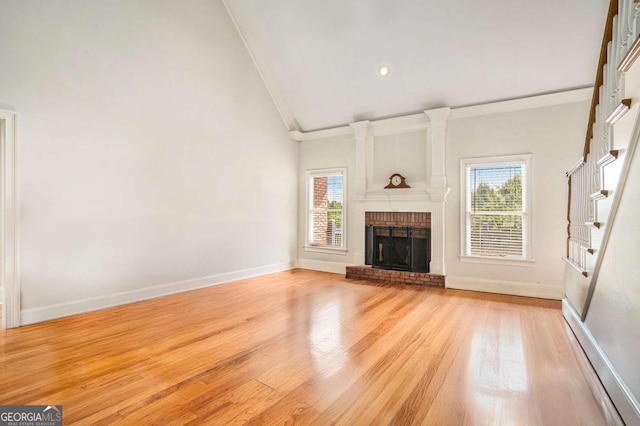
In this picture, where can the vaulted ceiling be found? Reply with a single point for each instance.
(320, 59)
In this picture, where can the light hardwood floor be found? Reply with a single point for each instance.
(306, 347)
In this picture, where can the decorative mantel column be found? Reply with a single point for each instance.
(364, 155)
(436, 135)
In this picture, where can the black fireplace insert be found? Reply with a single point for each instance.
(399, 248)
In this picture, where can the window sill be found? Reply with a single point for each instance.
(496, 261)
(329, 250)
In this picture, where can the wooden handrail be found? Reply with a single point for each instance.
(595, 100)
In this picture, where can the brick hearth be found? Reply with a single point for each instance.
(394, 277)
(418, 219)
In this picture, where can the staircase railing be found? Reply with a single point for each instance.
(620, 47)
(580, 213)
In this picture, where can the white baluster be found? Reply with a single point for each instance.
(628, 15)
(597, 133)
(614, 61)
(590, 178)
(626, 25)
(634, 16)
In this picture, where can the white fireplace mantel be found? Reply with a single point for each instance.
(427, 196)
(434, 125)
(435, 195)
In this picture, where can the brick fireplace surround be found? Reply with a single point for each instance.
(417, 219)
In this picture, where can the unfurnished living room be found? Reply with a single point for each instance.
(319, 212)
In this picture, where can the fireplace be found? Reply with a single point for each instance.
(399, 248)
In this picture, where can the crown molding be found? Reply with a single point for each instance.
(384, 127)
(402, 124)
(539, 101)
(438, 116)
(320, 134)
(361, 128)
(422, 121)
(261, 65)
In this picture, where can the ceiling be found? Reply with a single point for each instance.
(319, 59)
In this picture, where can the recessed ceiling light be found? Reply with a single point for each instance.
(384, 71)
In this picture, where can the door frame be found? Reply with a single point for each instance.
(9, 221)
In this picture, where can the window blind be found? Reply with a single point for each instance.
(495, 210)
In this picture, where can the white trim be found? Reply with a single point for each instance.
(323, 266)
(496, 260)
(620, 395)
(325, 172)
(364, 155)
(416, 122)
(327, 250)
(59, 310)
(573, 264)
(542, 291)
(260, 63)
(527, 211)
(383, 127)
(320, 134)
(1, 294)
(9, 220)
(437, 136)
(391, 195)
(576, 166)
(399, 125)
(539, 101)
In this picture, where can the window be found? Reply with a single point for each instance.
(326, 209)
(496, 219)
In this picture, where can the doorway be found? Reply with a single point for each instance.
(9, 276)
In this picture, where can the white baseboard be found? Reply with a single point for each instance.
(620, 395)
(59, 310)
(542, 291)
(321, 265)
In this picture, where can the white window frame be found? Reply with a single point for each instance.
(309, 202)
(465, 220)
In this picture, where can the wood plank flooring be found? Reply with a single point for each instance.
(305, 347)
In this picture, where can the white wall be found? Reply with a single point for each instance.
(150, 151)
(405, 154)
(613, 317)
(554, 135)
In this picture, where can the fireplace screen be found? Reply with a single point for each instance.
(398, 247)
